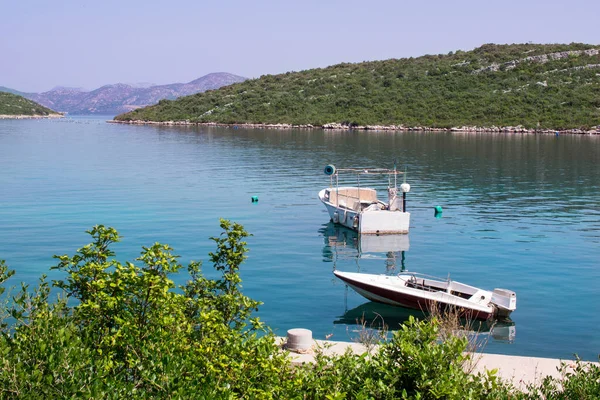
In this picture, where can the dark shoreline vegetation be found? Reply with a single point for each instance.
(533, 87)
(391, 128)
(15, 105)
(121, 330)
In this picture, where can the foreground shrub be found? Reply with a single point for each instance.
(127, 331)
(413, 364)
(579, 380)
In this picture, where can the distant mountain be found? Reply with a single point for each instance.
(14, 105)
(142, 84)
(120, 97)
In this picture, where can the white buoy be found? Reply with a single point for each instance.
(299, 339)
(405, 188)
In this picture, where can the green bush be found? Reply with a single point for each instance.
(579, 380)
(124, 330)
(414, 364)
(132, 332)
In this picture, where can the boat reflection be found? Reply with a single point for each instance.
(377, 316)
(342, 243)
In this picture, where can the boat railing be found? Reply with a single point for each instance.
(422, 285)
(427, 282)
(422, 275)
(373, 171)
(360, 174)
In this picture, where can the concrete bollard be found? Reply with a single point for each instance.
(299, 339)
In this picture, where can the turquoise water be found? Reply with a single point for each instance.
(520, 212)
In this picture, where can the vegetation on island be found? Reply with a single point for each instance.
(125, 330)
(550, 86)
(12, 104)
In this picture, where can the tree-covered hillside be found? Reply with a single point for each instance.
(12, 104)
(538, 86)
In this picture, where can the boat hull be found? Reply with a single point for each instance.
(369, 222)
(386, 290)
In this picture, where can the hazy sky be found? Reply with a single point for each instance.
(88, 44)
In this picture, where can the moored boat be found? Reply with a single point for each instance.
(358, 208)
(421, 292)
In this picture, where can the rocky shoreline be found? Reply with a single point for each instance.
(31, 116)
(402, 128)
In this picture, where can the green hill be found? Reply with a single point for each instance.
(13, 91)
(12, 104)
(554, 86)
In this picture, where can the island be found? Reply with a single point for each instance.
(18, 107)
(528, 88)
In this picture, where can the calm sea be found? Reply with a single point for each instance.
(520, 212)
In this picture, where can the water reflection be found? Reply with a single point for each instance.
(377, 316)
(345, 244)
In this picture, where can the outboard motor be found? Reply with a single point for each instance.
(505, 300)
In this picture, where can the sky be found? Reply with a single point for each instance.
(88, 44)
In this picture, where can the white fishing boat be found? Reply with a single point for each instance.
(358, 208)
(421, 292)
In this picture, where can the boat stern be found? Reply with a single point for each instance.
(505, 300)
(382, 222)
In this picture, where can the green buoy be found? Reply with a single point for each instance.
(438, 209)
(255, 199)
